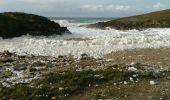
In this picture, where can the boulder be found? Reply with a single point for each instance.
(15, 24)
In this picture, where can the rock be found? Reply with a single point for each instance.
(84, 57)
(60, 88)
(7, 74)
(15, 24)
(6, 60)
(131, 79)
(20, 67)
(125, 83)
(60, 56)
(168, 78)
(152, 82)
(38, 63)
(7, 53)
(133, 69)
(53, 98)
(42, 68)
(32, 69)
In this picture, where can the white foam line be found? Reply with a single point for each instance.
(100, 42)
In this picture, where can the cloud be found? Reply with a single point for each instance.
(120, 7)
(158, 5)
(27, 1)
(94, 8)
(106, 7)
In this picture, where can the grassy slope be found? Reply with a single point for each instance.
(159, 19)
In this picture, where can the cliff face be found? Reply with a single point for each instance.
(15, 24)
(159, 19)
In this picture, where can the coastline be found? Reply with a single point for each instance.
(89, 64)
(117, 71)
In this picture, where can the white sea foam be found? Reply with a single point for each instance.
(97, 42)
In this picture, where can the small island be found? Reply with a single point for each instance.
(15, 24)
(159, 19)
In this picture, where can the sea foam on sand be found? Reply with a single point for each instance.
(94, 42)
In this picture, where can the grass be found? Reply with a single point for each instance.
(159, 19)
(71, 82)
(64, 84)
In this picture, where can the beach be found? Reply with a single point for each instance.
(94, 42)
(89, 63)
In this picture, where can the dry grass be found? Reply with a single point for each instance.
(132, 91)
(77, 83)
(148, 56)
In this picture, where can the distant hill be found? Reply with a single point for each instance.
(14, 24)
(159, 19)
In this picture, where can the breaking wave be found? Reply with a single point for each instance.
(94, 42)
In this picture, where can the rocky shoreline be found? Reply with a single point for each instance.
(30, 70)
(16, 24)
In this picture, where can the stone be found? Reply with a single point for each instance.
(84, 57)
(168, 78)
(60, 88)
(133, 69)
(6, 59)
(7, 74)
(7, 53)
(20, 67)
(125, 83)
(53, 98)
(152, 82)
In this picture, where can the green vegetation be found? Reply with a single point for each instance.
(159, 19)
(67, 83)
(63, 84)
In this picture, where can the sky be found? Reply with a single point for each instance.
(84, 8)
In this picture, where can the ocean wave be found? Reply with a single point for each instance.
(71, 22)
(94, 42)
(68, 23)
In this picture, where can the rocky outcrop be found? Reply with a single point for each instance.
(159, 19)
(15, 24)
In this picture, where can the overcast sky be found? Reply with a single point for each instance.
(84, 8)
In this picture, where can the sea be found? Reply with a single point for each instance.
(94, 42)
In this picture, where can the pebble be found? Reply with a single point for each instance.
(125, 83)
(132, 63)
(131, 79)
(60, 88)
(168, 78)
(133, 69)
(53, 98)
(152, 82)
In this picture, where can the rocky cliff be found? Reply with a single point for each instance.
(15, 24)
